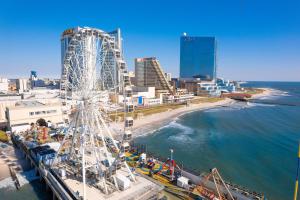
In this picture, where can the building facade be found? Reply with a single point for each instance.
(148, 73)
(116, 49)
(3, 85)
(198, 57)
(21, 114)
(22, 85)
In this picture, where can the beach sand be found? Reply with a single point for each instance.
(266, 92)
(150, 123)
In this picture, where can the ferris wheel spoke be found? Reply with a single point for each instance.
(93, 69)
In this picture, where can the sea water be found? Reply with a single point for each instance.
(251, 144)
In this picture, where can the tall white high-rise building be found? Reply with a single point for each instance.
(22, 85)
(115, 36)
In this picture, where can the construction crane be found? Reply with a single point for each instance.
(297, 176)
(221, 189)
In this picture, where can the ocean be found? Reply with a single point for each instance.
(251, 144)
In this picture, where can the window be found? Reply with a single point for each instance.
(51, 111)
(31, 113)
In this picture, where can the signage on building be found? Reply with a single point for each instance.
(68, 32)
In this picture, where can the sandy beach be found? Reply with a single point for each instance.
(150, 123)
(266, 92)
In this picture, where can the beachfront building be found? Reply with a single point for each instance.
(208, 88)
(14, 101)
(226, 86)
(190, 85)
(148, 73)
(198, 57)
(5, 101)
(178, 98)
(145, 96)
(151, 101)
(21, 114)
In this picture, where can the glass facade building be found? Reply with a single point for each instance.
(198, 57)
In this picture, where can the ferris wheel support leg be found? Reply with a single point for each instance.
(106, 151)
(64, 140)
(82, 141)
(83, 174)
(75, 129)
(96, 146)
(130, 172)
(109, 133)
(116, 184)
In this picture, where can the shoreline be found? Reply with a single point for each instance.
(266, 92)
(150, 123)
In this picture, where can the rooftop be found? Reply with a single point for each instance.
(29, 103)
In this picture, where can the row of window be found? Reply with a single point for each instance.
(42, 112)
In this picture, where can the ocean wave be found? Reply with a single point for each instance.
(233, 106)
(251, 104)
(183, 135)
(275, 94)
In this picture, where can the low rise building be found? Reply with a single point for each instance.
(226, 86)
(3, 85)
(5, 101)
(207, 88)
(152, 101)
(22, 85)
(190, 84)
(146, 92)
(178, 98)
(20, 115)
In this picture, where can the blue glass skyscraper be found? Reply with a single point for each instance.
(198, 57)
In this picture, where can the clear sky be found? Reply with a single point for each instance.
(257, 39)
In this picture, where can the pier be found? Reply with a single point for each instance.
(59, 191)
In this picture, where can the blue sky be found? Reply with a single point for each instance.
(257, 39)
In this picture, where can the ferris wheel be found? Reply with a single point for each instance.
(93, 70)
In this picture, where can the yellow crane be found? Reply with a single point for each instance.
(297, 175)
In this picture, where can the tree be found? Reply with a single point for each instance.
(41, 122)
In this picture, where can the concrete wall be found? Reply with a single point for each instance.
(3, 85)
(22, 115)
